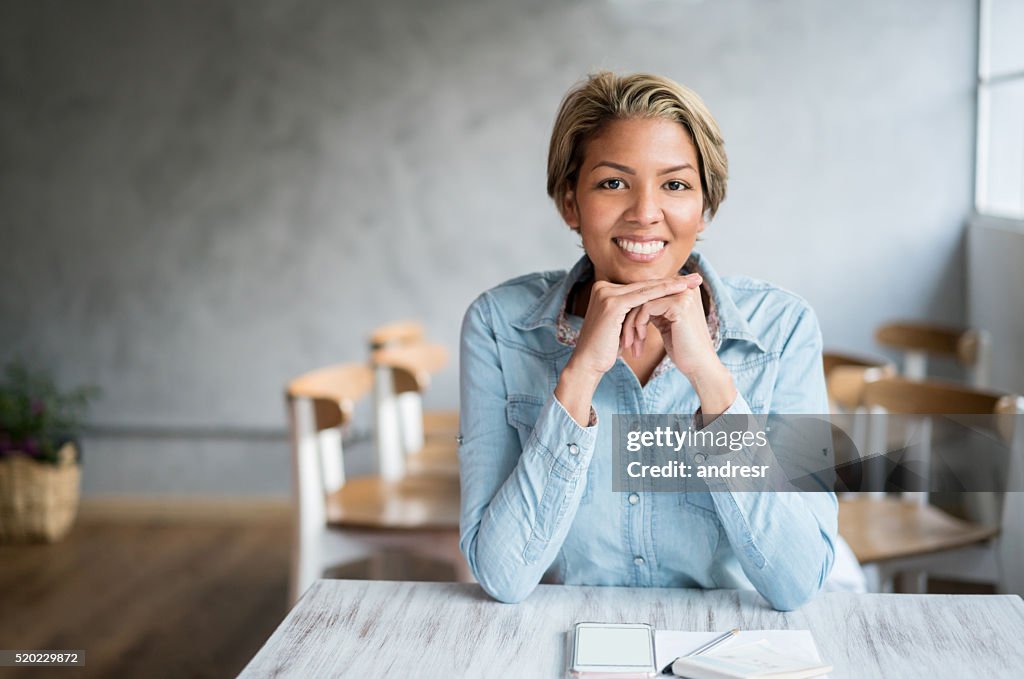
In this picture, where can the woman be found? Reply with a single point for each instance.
(641, 324)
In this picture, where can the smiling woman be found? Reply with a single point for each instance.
(641, 324)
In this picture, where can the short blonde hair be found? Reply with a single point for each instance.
(605, 97)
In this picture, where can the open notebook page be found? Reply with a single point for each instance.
(670, 644)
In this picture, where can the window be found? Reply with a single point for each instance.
(999, 188)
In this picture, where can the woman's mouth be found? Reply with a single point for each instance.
(640, 251)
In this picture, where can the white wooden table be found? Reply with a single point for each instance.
(350, 628)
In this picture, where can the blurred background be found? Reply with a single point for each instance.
(201, 200)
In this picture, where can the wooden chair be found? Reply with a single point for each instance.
(845, 377)
(411, 440)
(970, 347)
(396, 334)
(907, 535)
(339, 519)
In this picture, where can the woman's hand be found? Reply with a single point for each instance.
(683, 326)
(603, 337)
(679, 318)
(600, 341)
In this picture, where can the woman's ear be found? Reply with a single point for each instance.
(570, 210)
(701, 225)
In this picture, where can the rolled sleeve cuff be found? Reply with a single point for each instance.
(739, 407)
(720, 464)
(569, 446)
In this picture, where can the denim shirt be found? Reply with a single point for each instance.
(537, 487)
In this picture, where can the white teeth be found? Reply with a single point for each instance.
(645, 248)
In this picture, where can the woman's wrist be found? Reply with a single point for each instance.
(715, 388)
(575, 391)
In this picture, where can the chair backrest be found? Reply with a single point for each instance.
(971, 347)
(846, 375)
(934, 397)
(321, 402)
(334, 390)
(396, 334)
(411, 364)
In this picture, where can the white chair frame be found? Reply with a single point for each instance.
(317, 471)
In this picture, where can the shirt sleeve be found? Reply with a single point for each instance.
(518, 501)
(783, 539)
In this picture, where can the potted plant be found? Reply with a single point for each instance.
(40, 461)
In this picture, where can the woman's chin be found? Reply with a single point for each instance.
(639, 274)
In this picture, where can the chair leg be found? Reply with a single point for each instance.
(305, 567)
(878, 578)
(378, 567)
(913, 582)
(872, 578)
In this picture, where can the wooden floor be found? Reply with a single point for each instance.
(165, 599)
(153, 599)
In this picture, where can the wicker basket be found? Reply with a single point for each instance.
(38, 500)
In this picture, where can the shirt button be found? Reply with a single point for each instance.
(639, 561)
(700, 458)
(633, 498)
(574, 449)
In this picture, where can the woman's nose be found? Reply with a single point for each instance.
(645, 208)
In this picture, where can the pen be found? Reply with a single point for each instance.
(704, 649)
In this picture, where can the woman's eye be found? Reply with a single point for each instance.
(612, 184)
(676, 185)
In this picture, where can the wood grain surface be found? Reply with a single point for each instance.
(345, 628)
(146, 598)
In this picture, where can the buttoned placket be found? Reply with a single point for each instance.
(631, 399)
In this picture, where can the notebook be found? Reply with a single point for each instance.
(774, 654)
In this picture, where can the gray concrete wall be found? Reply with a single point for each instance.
(201, 199)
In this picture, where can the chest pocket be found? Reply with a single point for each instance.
(697, 497)
(522, 412)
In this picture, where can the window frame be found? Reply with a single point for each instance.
(986, 81)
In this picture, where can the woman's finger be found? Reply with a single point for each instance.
(636, 341)
(628, 331)
(639, 293)
(641, 326)
(691, 278)
(656, 307)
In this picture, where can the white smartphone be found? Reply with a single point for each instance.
(614, 650)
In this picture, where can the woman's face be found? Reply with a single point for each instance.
(638, 202)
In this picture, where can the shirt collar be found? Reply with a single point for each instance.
(546, 309)
(731, 323)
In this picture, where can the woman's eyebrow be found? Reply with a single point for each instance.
(615, 166)
(676, 168)
(629, 170)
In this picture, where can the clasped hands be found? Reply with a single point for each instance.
(618, 317)
(617, 322)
